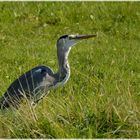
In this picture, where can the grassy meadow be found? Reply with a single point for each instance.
(102, 97)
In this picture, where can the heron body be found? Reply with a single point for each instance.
(35, 83)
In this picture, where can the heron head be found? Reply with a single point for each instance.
(67, 41)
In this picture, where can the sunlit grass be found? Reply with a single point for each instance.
(101, 98)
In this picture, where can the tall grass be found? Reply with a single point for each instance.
(101, 99)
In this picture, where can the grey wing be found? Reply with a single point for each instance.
(33, 84)
(43, 85)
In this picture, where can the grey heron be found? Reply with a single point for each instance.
(35, 83)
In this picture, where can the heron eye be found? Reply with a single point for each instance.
(70, 37)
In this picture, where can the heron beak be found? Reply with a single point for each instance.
(84, 36)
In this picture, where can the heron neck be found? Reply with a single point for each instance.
(64, 69)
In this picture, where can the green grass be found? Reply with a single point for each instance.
(101, 98)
